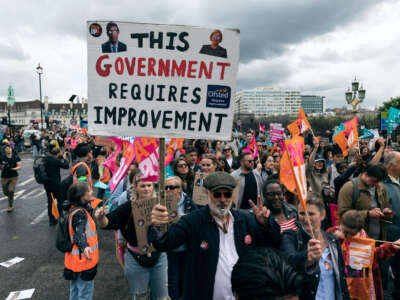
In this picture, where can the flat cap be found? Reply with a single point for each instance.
(219, 180)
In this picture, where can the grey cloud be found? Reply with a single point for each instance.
(12, 50)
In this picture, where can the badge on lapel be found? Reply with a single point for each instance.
(204, 245)
(248, 239)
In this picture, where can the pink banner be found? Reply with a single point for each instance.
(276, 133)
(147, 157)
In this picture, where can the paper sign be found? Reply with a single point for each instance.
(25, 294)
(161, 80)
(11, 262)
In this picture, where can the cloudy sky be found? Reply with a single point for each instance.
(316, 46)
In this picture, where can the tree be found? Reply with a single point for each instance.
(393, 102)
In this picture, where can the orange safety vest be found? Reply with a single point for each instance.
(75, 261)
(88, 176)
(105, 178)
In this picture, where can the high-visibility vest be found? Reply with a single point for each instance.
(75, 261)
(88, 176)
(106, 176)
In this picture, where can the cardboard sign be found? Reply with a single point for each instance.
(199, 195)
(161, 80)
(141, 210)
(172, 207)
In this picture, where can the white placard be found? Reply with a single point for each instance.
(25, 294)
(162, 81)
(11, 262)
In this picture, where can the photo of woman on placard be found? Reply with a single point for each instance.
(215, 49)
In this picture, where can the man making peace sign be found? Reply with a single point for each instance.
(216, 237)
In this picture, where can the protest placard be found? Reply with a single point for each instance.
(200, 193)
(161, 80)
(103, 141)
(141, 210)
(172, 200)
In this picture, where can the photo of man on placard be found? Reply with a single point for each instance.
(113, 45)
(215, 49)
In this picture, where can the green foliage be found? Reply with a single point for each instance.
(393, 102)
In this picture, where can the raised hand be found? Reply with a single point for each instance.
(262, 213)
(159, 215)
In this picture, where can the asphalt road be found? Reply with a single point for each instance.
(26, 233)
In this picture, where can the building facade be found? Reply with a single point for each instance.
(312, 104)
(24, 113)
(264, 101)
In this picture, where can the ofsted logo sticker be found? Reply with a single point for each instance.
(218, 96)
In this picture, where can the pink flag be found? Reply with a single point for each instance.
(261, 128)
(111, 162)
(128, 156)
(252, 148)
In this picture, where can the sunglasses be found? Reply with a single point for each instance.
(228, 149)
(219, 194)
(171, 187)
(250, 160)
(181, 165)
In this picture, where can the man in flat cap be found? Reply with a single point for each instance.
(215, 237)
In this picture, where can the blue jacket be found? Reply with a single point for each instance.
(393, 190)
(200, 233)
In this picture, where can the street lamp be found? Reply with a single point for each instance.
(39, 70)
(351, 95)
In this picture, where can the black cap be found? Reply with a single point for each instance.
(219, 180)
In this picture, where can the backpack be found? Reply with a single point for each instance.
(356, 193)
(39, 170)
(63, 239)
(67, 182)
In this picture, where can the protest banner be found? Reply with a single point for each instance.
(393, 119)
(276, 132)
(141, 210)
(161, 81)
(358, 255)
(103, 141)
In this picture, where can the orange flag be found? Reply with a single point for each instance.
(348, 137)
(358, 255)
(294, 128)
(95, 202)
(304, 125)
(174, 145)
(295, 149)
(54, 209)
(286, 173)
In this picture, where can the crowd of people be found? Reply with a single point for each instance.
(263, 244)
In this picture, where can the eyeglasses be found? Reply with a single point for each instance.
(219, 194)
(181, 165)
(111, 31)
(171, 187)
(273, 194)
(206, 165)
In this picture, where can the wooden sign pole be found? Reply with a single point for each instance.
(161, 187)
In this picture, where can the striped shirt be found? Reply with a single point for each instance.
(289, 224)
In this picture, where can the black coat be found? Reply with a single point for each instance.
(201, 235)
(53, 166)
(294, 245)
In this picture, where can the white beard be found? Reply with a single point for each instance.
(219, 212)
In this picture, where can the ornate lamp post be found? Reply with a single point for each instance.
(351, 95)
(10, 103)
(39, 70)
